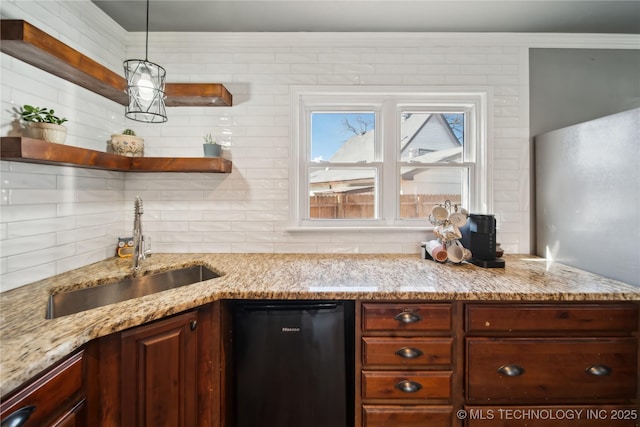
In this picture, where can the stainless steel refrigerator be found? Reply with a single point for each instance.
(588, 196)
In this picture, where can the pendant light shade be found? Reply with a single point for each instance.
(145, 87)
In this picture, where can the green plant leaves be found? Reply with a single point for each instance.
(29, 113)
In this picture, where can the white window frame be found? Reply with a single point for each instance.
(387, 102)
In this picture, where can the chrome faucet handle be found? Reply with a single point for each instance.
(146, 241)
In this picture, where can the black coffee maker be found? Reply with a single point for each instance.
(479, 236)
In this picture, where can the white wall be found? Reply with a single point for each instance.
(247, 210)
(54, 219)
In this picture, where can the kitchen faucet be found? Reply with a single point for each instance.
(138, 238)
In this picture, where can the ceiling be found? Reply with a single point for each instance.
(566, 16)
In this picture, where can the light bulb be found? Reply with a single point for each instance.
(145, 87)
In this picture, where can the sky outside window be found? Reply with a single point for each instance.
(329, 131)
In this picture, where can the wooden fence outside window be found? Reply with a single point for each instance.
(362, 206)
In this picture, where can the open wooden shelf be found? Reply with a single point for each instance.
(37, 151)
(33, 46)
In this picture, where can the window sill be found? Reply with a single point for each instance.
(303, 229)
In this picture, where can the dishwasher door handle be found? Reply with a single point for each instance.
(289, 307)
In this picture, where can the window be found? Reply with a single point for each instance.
(383, 158)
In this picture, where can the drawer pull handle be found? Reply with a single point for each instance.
(599, 370)
(409, 353)
(19, 417)
(407, 386)
(407, 317)
(511, 370)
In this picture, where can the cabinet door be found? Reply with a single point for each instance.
(159, 373)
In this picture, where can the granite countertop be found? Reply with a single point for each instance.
(29, 343)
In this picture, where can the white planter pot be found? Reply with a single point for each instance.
(48, 132)
(127, 145)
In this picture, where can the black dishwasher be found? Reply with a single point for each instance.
(293, 363)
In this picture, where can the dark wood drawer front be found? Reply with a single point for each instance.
(382, 351)
(544, 370)
(51, 394)
(551, 416)
(406, 317)
(406, 416)
(74, 417)
(406, 385)
(551, 318)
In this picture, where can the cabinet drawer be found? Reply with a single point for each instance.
(406, 385)
(51, 394)
(74, 417)
(406, 416)
(406, 317)
(406, 351)
(551, 416)
(543, 370)
(551, 317)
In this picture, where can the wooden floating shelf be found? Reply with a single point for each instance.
(37, 151)
(33, 46)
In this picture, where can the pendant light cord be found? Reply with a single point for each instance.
(146, 46)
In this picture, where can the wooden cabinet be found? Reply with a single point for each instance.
(161, 374)
(439, 364)
(549, 362)
(406, 365)
(56, 399)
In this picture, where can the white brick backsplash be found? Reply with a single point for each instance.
(57, 218)
(22, 245)
(252, 247)
(35, 272)
(41, 226)
(44, 256)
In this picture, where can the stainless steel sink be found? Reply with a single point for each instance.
(79, 300)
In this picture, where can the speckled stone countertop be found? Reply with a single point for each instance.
(29, 343)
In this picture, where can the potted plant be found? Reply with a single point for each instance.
(211, 147)
(127, 143)
(42, 123)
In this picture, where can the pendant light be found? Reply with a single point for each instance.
(145, 87)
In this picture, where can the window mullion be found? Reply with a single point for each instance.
(389, 182)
